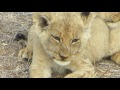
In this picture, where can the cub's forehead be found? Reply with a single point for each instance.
(64, 14)
(66, 17)
(68, 23)
(69, 29)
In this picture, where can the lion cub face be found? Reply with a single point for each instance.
(63, 35)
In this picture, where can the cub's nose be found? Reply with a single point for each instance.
(63, 57)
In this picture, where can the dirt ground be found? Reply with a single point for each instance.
(13, 22)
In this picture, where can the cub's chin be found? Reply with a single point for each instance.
(62, 63)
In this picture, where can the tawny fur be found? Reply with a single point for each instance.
(95, 41)
(109, 16)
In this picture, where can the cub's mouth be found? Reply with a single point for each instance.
(62, 63)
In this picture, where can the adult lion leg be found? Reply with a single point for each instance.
(116, 57)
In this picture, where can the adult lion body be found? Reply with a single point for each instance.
(69, 40)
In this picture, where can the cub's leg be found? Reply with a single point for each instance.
(27, 52)
(39, 69)
(41, 63)
(84, 69)
(115, 43)
(116, 58)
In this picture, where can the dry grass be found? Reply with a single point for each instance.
(13, 22)
(10, 24)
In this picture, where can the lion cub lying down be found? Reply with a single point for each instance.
(111, 18)
(59, 41)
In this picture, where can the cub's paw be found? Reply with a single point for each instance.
(25, 54)
(82, 74)
(116, 58)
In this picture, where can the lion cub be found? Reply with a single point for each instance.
(111, 18)
(59, 41)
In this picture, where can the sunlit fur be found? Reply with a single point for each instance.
(111, 18)
(54, 42)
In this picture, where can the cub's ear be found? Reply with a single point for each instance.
(87, 18)
(85, 15)
(44, 22)
(40, 19)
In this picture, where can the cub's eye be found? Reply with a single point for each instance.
(75, 40)
(56, 38)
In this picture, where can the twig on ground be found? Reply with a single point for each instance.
(107, 71)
